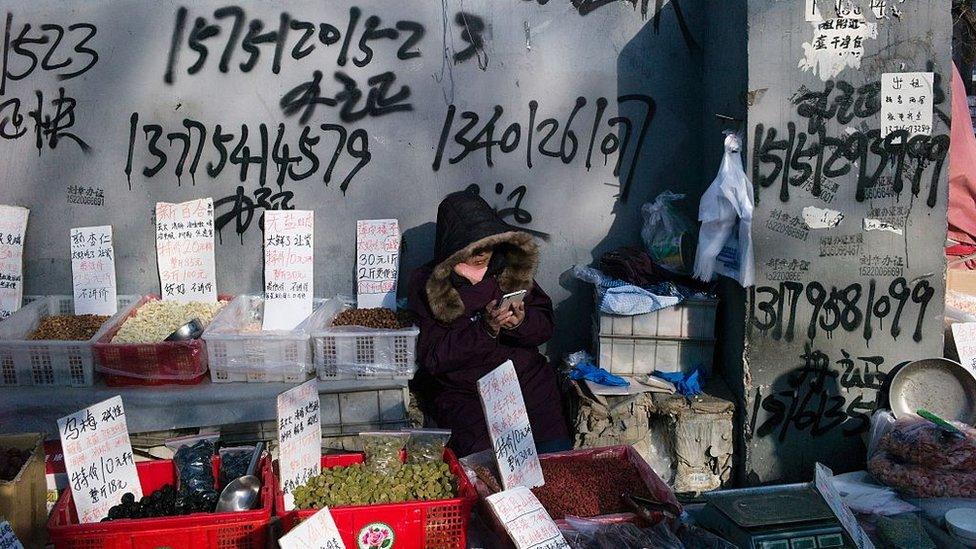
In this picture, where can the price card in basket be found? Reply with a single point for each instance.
(299, 438)
(377, 262)
(8, 540)
(93, 270)
(525, 519)
(318, 531)
(98, 458)
(508, 425)
(288, 243)
(13, 225)
(185, 250)
(822, 476)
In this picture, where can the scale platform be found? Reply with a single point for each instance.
(791, 516)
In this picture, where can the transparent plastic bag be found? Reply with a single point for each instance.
(725, 211)
(600, 535)
(383, 448)
(427, 445)
(881, 423)
(914, 440)
(194, 462)
(664, 231)
(233, 463)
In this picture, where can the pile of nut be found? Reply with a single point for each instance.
(383, 319)
(156, 320)
(67, 327)
(359, 484)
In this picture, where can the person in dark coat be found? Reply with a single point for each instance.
(465, 335)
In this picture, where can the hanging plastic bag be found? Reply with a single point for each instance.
(725, 211)
(667, 234)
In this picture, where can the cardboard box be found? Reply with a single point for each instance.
(23, 499)
(962, 281)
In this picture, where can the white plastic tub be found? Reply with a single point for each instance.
(48, 362)
(238, 350)
(693, 318)
(355, 352)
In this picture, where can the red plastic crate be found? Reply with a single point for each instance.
(438, 524)
(659, 490)
(242, 530)
(164, 363)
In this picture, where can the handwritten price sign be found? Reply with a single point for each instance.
(185, 250)
(93, 270)
(525, 519)
(288, 259)
(508, 425)
(318, 531)
(377, 262)
(98, 458)
(13, 225)
(299, 438)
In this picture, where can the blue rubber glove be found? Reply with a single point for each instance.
(686, 384)
(585, 370)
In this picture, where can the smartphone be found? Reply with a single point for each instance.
(510, 299)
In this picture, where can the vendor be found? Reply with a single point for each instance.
(465, 334)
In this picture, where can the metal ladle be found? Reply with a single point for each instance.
(242, 493)
(191, 330)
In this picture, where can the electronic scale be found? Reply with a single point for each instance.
(791, 516)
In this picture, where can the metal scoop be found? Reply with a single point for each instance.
(191, 330)
(242, 493)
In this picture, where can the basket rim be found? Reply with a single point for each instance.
(43, 299)
(59, 529)
(467, 494)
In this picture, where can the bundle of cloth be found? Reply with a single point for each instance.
(924, 460)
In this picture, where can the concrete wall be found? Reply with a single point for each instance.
(133, 121)
(835, 309)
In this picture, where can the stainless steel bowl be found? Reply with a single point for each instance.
(938, 385)
(191, 330)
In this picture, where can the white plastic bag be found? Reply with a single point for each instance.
(665, 230)
(725, 211)
(863, 495)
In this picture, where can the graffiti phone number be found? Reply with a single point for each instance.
(553, 144)
(775, 309)
(259, 152)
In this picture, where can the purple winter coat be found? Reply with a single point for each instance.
(455, 349)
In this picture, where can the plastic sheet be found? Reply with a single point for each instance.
(881, 423)
(859, 491)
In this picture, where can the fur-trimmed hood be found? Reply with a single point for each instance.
(465, 223)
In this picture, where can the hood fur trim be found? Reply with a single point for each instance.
(521, 262)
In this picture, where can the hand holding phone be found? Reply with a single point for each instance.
(508, 300)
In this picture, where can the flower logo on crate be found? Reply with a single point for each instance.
(375, 535)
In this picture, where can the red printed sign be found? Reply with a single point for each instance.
(377, 262)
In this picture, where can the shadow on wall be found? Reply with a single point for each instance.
(659, 69)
